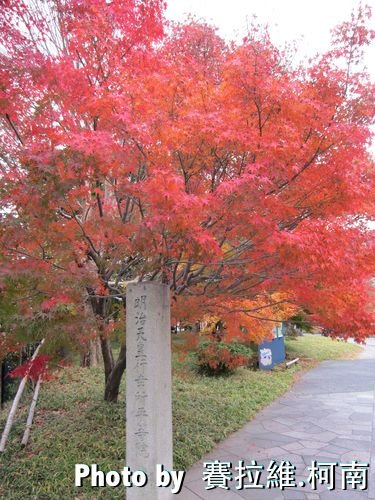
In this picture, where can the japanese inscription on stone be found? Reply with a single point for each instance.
(142, 426)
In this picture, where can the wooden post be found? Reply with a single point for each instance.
(16, 400)
(30, 416)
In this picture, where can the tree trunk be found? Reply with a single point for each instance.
(85, 360)
(91, 357)
(113, 381)
(112, 371)
(108, 360)
(95, 352)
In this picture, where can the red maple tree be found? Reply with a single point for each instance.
(134, 149)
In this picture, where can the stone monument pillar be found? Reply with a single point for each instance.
(148, 386)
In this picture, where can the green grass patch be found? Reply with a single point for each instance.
(320, 348)
(73, 425)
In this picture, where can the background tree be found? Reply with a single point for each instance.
(136, 150)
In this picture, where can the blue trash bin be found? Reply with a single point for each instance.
(272, 352)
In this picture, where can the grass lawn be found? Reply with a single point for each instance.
(73, 425)
(319, 348)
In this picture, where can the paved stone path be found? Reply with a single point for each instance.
(328, 416)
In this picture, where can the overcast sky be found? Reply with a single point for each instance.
(307, 22)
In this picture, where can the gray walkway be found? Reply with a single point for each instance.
(328, 416)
